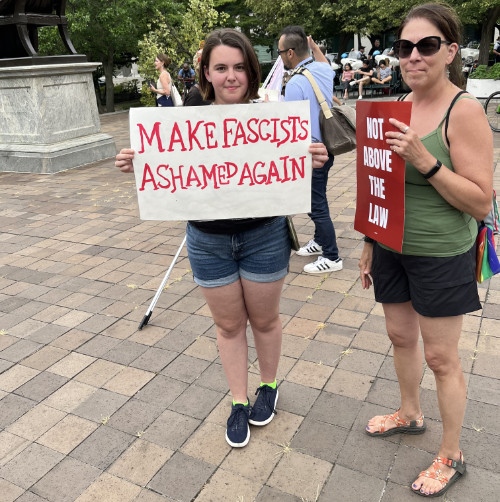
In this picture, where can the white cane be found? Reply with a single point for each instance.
(146, 318)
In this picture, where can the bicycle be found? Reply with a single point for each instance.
(492, 110)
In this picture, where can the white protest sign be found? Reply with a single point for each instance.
(218, 162)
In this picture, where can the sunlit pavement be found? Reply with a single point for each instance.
(94, 410)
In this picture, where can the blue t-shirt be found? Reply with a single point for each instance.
(187, 74)
(298, 88)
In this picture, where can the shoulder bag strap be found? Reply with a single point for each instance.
(319, 95)
(447, 119)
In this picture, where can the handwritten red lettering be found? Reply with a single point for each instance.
(259, 178)
(303, 125)
(245, 173)
(176, 137)
(149, 139)
(227, 131)
(192, 135)
(265, 121)
(149, 179)
(210, 134)
(253, 137)
(159, 170)
(296, 168)
(192, 178)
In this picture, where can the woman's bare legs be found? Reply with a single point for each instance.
(383, 81)
(441, 336)
(403, 330)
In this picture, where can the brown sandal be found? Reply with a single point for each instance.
(435, 472)
(402, 426)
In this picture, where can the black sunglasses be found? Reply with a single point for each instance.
(285, 50)
(427, 46)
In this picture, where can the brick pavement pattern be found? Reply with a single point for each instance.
(91, 409)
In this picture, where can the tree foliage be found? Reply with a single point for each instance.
(109, 31)
(178, 41)
(323, 18)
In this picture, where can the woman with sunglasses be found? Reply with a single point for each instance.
(431, 284)
(239, 264)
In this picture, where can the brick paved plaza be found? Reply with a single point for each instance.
(91, 409)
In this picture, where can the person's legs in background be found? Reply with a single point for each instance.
(324, 241)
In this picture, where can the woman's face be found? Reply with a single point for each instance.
(226, 71)
(418, 70)
(348, 67)
(158, 64)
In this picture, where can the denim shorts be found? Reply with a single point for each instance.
(258, 255)
(436, 286)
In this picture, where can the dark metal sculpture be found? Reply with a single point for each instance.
(19, 23)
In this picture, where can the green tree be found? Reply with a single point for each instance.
(486, 13)
(240, 16)
(109, 31)
(179, 41)
(276, 15)
(106, 31)
(367, 17)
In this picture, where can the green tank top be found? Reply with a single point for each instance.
(432, 226)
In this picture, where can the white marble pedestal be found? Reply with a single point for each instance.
(49, 120)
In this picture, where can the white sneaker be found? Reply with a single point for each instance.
(310, 249)
(352, 83)
(323, 265)
(360, 96)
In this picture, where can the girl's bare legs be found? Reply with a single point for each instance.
(231, 307)
(228, 309)
(262, 302)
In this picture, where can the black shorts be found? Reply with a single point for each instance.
(436, 286)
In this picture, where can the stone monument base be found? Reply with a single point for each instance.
(49, 120)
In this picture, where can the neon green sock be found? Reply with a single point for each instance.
(272, 385)
(236, 402)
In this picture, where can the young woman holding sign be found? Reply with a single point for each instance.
(428, 288)
(241, 264)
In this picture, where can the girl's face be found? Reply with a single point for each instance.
(421, 70)
(158, 64)
(226, 71)
(348, 67)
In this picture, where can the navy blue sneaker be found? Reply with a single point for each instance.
(238, 432)
(263, 410)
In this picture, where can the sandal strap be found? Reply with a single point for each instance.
(404, 423)
(399, 421)
(458, 465)
(437, 473)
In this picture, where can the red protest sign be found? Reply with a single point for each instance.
(380, 206)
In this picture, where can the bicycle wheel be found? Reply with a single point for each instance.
(492, 109)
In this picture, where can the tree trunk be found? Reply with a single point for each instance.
(100, 108)
(107, 63)
(344, 41)
(487, 31)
